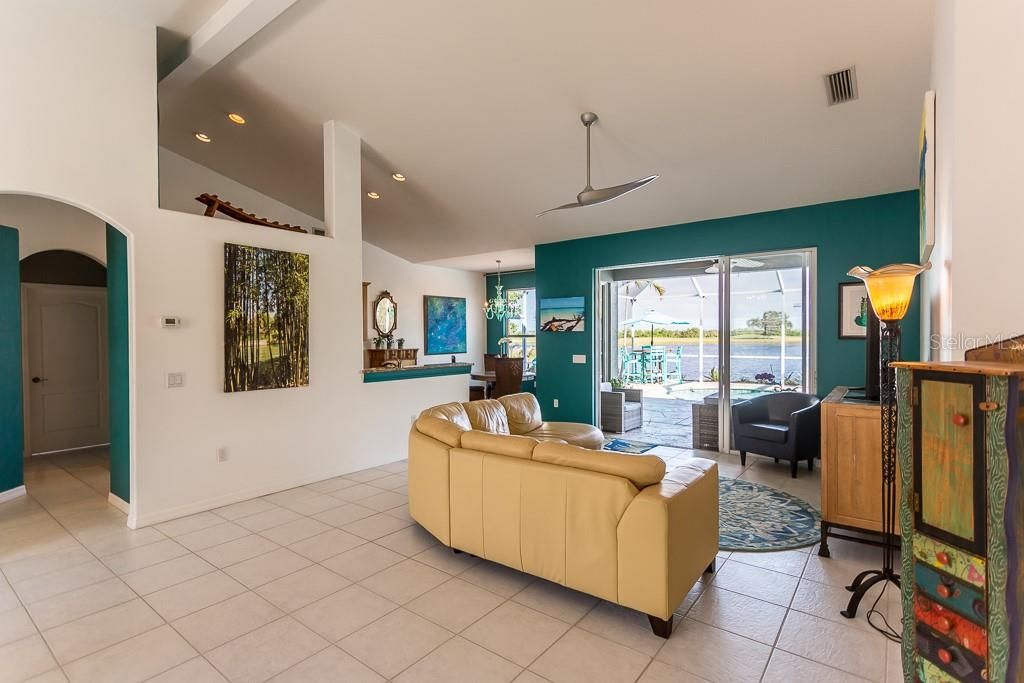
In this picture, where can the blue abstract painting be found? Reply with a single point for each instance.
(444, 325)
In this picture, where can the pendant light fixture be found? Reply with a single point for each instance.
(499, 305)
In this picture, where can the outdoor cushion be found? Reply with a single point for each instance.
(765, 431)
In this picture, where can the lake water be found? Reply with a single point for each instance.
(748, 360)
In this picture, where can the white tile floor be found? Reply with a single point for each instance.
(334, 582)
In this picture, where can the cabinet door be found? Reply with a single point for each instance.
(857, 478)
(949, 458)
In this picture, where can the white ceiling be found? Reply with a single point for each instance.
(478, 104)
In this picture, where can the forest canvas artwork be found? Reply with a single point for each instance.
(444, 323)
(266, 318)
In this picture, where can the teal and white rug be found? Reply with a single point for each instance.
(627, 446)
(753, 517)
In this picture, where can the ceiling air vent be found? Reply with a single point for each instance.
(841, 86)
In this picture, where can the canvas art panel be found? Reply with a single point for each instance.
(926, 176)
(444, 325)
(564, 314)
(266, 318)
(853, 310)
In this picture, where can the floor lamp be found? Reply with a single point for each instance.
(890, 290)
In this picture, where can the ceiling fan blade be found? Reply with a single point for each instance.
(573, 205)
(606, 194)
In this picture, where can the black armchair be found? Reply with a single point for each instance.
(785, 426)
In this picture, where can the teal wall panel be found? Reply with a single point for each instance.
(872, 231)
(117, 336)
(12, 422)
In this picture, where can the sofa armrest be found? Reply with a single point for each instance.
(612, 399)
(633, 395)
(667, 537)
(746, 412)
(806, 425)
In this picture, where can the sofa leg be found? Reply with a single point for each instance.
(743, 458)
(661, 627)
(710, 569)
(792, 467)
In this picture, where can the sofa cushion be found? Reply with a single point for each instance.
(523, 412)
(444, 431)
(642, 470)
(502, 444)
(453, 412)
(487, 416)
(776, 432)
(633, 407)
(575, 433)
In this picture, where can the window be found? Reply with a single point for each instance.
(520, 340)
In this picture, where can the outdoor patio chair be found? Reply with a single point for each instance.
(784, 425)
(621, 409)
(632, 367)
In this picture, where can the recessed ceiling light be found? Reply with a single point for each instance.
(373, 195)
(236, 118)
(399, 177)
(202, 137)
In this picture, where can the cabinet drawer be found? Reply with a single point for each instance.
(950, 560)
(951, 626)
(951, 594)
(953, 660)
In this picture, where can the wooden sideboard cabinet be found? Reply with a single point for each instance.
(851, 467)
(376, 358)
(961, 432)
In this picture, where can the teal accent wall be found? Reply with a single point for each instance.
(416, 373)
(518, 280)
(12, 422)
(873, 231)
(117, 338)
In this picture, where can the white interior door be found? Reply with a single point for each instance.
(66, 366)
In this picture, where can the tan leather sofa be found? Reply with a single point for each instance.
(615, 526)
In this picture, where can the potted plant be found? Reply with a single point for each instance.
(401, 342)
(391, 342)
(377, 342)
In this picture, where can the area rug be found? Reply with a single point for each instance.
(753, 517)
(627, 446)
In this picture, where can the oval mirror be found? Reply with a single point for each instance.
(385, 314)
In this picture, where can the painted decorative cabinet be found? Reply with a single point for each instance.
(961, 435)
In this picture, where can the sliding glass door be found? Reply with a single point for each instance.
(767, 346)
(688, 339)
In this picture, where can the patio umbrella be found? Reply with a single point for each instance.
(653, 318)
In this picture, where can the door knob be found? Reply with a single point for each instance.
(37, 380)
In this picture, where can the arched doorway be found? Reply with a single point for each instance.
(63, 284)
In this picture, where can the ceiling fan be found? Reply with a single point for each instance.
(589, 196)
(738, 262)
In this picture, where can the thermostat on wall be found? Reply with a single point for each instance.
(170, 321)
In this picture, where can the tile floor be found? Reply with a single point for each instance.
(334, 582)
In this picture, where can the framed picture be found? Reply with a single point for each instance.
(926, 176)
(853, 310)
(266, 318)
(565, 314)
(444, 325)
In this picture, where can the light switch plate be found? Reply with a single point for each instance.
(175, 380)
(579, 358)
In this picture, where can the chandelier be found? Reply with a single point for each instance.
(499, 306)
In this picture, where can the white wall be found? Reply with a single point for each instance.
(409, 282)
(978, 64)
(44, 224)
(182, 180)
(80, 126)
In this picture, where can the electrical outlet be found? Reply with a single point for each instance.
(556, 402)
(222, 455)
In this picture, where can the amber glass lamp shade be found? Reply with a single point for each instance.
(890, 288)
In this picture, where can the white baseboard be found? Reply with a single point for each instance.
(17, 492)
(237, 497)
(118, 503)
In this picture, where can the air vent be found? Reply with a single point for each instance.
(841, 86)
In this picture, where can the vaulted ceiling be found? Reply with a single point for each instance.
(478, 104)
